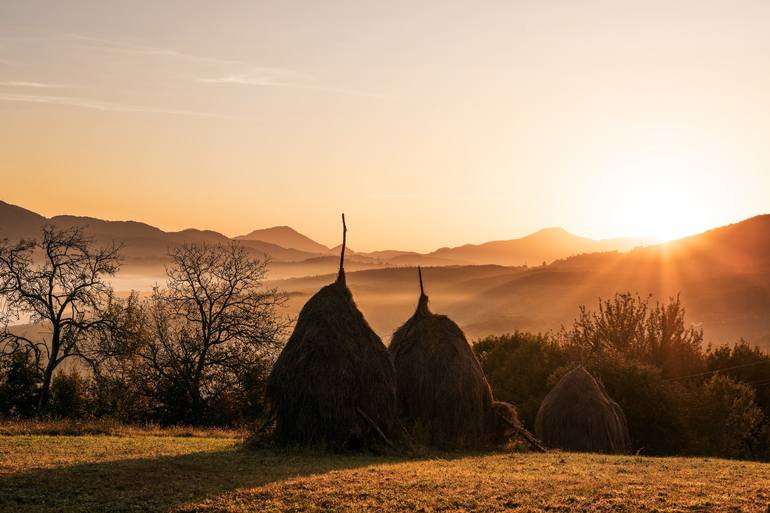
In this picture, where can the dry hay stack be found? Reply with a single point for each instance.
(333, 385)
(578, 415)
(444, 399)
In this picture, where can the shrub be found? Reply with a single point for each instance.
(69, 396)
(729, 422)
(19, 385)
(657, 410)
(518, 367)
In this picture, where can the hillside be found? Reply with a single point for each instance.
(723, 276)
(295, 254)
(545, 245)
(41, 474)
(145, 247)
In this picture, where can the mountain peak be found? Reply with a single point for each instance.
(552, 231)
(286, 237)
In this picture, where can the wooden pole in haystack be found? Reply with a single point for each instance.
(341, 275)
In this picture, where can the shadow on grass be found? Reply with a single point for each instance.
(163, 483)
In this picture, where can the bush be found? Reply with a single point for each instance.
(729, 423)
(745, 363)
(518, 367)
(19, 385)
(69, 396)
(657, 410)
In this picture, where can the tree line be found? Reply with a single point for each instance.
(196, 350)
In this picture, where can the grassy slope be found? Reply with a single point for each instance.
(152, 473)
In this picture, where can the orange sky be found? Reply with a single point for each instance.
(429, 124)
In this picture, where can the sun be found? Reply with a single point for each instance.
(660, 197)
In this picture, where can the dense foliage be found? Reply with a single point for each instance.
(679, 397)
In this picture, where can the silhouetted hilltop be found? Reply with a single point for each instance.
(285, 237)
(17, 222)
(723, 276)
(545, 245)
(297, 254)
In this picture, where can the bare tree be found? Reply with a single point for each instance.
(58, 281)
(214, 322)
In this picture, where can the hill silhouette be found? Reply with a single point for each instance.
(723, 276)
(545, 245)
(285, 237)
(294, 254)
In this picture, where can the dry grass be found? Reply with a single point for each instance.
(109, 427)
(167, 473)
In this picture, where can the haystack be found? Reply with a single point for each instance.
(507, 425)
(333, 385)
(578, 415)
(444, 399)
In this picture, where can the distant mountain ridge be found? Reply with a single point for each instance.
(722, 277)
(295, 254)
(547, 245)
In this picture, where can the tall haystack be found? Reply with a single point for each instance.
(578, 415)
(333, 385)
(444, 399)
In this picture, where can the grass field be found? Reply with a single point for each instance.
(157, 472)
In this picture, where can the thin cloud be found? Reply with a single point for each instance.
(130, 48)
(260, 76)
(263, 76)
(279, 77)
(33, 85)
(87, 103)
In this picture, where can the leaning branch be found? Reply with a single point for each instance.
(529, 437)
(368, 419)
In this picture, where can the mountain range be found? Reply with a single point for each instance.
(294, 254)
(722, 276)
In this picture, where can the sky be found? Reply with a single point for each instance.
(429, 124)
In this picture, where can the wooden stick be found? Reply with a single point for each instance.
(529, 437)
(265, 424)
(376, 428)
(419, 273)
(344, 240)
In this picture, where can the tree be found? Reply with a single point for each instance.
(209, 329)
(630, 326)
(59, 282)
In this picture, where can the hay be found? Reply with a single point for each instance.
(507, 425)
(578, 415)
(333, 385)
(444, 399)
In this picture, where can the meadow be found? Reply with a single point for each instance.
(180, 470)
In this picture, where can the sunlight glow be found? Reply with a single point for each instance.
(665, 197)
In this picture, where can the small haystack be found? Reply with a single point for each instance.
(578, 415)
(507, 425)
(444, 399)
(333, 384)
